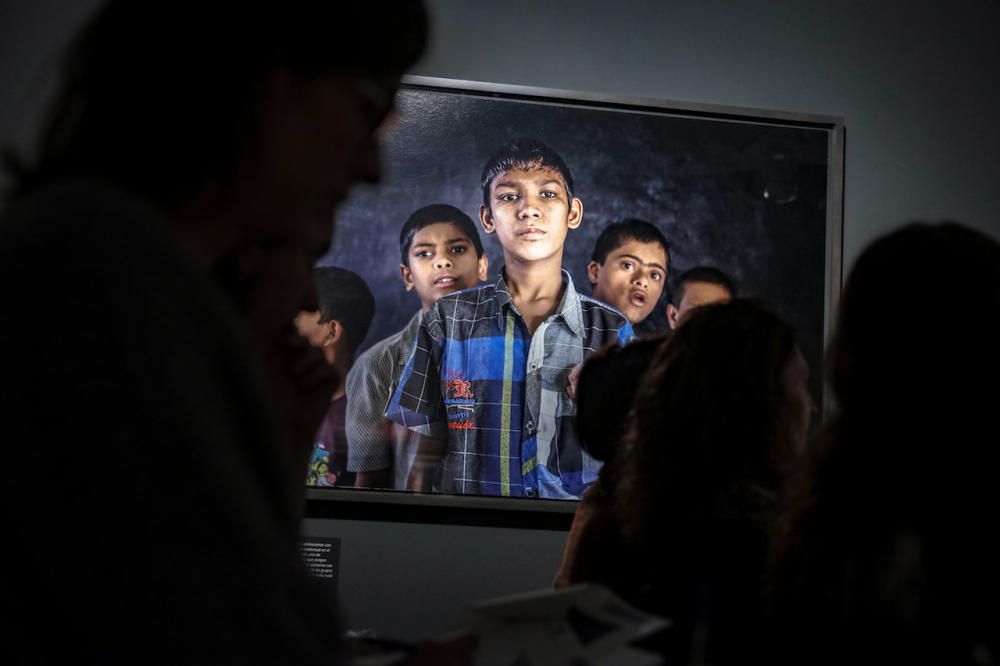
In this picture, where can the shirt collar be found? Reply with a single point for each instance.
(569, 308)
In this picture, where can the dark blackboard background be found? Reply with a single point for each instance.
(748, 197)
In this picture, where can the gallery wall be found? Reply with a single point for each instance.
(916, 84)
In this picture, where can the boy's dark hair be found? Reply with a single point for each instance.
(344, 296)
(706, 274)
(617, 233)
(436, 214)
(523, 154)
(125, 110)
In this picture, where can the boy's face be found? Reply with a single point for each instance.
(308, 326)
(631, 278)
(531, 212)
(696, 294)
(442, 260)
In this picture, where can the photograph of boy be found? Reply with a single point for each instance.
(346, 308)
(488, 374)
(697, 286)
(440, 253)
(628, 268)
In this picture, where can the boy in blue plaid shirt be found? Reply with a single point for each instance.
(486, 380)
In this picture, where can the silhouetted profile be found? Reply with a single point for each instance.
(891, 557)
(158, 406)
(716, 422)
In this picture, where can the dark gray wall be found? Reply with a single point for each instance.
(916, 83)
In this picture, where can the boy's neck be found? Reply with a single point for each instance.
(535, 287)
(342, 363)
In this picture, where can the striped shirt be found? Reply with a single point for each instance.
(497, 394)
(372, 442)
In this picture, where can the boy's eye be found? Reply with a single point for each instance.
(655, 275)
(423, 254)
(507, 196)
(459, 249)
(549, 194)
(628, 265)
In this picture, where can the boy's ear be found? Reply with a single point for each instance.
(404, 272)
(484, 267)
(593, 272)
(486, 219)
(575, 216)
(672, 314)
(334, 331)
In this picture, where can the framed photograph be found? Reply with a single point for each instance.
(757, 194)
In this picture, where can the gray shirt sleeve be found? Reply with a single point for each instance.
(369, 386)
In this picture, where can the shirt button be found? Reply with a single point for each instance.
(532, 366)
(530, 426)
(529, 492)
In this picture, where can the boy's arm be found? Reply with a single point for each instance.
(425, 464)
(369, 387)
(417, 403)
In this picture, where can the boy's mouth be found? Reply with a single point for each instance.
(445, 281)
(531, 234)
(637, 298)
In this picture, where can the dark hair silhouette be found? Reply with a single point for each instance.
(434, 214)
(699, 471)
(617, 234)
(601, 414)
(344, 296)
(160, 96)
(523, 154)
(889, 546)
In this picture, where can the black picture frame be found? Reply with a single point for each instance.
(758, 193)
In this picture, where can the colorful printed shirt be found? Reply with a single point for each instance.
(328, 464)
(497, 394)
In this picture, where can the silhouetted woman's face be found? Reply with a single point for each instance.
(314, 137)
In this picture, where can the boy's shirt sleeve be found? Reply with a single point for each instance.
(368, 392)
(417, 403)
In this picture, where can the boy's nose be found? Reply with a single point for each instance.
(528, 210)
(442, 261)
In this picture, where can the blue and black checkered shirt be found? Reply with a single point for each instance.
(497, 394)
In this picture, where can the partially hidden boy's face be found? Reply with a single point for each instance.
(696, 294)
(308, 326)
(631, 278)
(531, 212)
(442, 260)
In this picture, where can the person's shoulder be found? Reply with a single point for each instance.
(384, 354)
(596, 310)
(460, 301)
(462, 310)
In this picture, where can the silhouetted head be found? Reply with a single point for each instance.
(602, 414)
(918, 326)
(246, 124)
(718, 415)
(167, 98)
(887, 548)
